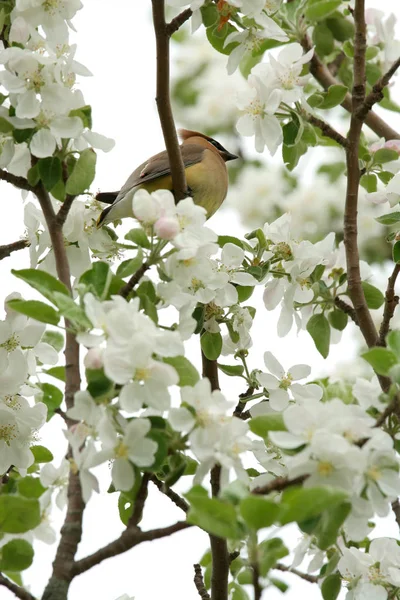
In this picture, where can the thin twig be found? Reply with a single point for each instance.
(130, 537)
(346, 308)
(64, 210)
(356, 292)
(392, 407)
(326, 129)
(376, 94)
(18, 591)
(169, 492)
(238, 412)
(326, 79)
(178, 21)
(219, 547)
(164, 103)
(16, 180)
(305, 576)
(336, 63)
(7, 249)
(199, 583)
(134, 280)
(71, 531)
(279, 484)
(256, 581)
(396, 510)
(391, 301)
(140, 500)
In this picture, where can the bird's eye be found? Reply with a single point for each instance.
(217, 145)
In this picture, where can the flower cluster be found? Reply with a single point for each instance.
(39, 80)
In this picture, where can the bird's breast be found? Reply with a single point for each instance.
(208, 181)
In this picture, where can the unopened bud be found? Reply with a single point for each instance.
(166, 228)
(94, 359)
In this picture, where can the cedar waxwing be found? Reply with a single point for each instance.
(206, 175)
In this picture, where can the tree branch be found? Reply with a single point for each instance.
(396, 510)
(279, 484)
(130, 537)
(71, 532)
(356, 292)
(391, 301)
(18, 591)
(134, 280)
(238, 412)
(6, 250)
(322, 74)
(169, 492)
(219, 547)
(326, 129)
(199, 583)
(16, 180)
(305, 576)
(64, 210)
(164, 103)
(346, 308)
(376, 94)
(256, 581)
(178, 21)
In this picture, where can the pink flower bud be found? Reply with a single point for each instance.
(94, 358)
(166, 228)
(393, 145)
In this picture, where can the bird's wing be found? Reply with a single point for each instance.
(158, 166)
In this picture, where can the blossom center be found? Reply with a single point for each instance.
(286, 382)
(283, 251)
(196, 285)
(142, 374)
(11, 344)
(255, 109)
(121, 451)
(374, 473)
(8, 432)
(325, 468)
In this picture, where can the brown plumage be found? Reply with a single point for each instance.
(204, 159)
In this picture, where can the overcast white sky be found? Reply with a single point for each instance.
(116, 42)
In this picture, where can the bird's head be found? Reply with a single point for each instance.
(195, 137)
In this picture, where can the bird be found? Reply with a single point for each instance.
(204, 159)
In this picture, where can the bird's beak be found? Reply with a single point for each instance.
(228, 156)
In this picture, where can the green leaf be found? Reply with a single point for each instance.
(57, 372)
(36, 310)
(41, 281)
(52, 398)
(72, 311)
(384, 155)
(33, 175)
(380, 359)
(30, 487)
(331, 521)
(209, 15)
(341, 28)
(372, 52)
(229, 239)
(300, 504)
(396, 252)
(369, 182)
(41, 454)
(338, 319)
(293, 131)
(334, 96)
(5, 126)
(130, 266)
(126, 500)
(318, 328)
(389, 219)
(292, 154)
(237, 592)
(50, 171)
(138, 237)
(98, 279)
(98, 383)
(319, 9)
(244, 292)
(84, 113)
(258, 512)
(373, 297)
(16, 555)
(217, 38)
(188, 374)
(162, 449)
(58, 191)
(18, 514)
(348, 49)
(263, 424)
(212, 515)
(211, 345)
(83, 173)
(331, 586)
(332, 170)
(323, 39)
(54, 338)
(269, 552)
(231, 370)
(393, 341)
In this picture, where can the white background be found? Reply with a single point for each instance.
(116, 42)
